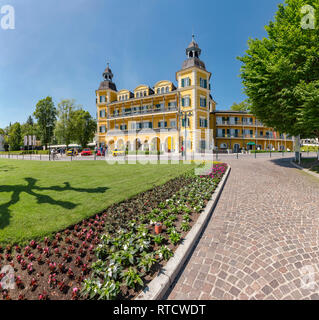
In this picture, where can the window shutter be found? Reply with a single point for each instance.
(183, 82)
(183, 102)
(183, 122)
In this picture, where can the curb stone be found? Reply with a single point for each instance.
(158, 287)
(304, 170)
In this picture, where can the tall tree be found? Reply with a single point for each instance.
(242, 106)
(30, 121)
(46, 113)
(281, 73)
(15, 137)
(64, 131)
(84, 127)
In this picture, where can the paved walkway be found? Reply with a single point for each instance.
(264, 231)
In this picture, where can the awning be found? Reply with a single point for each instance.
(251, 143)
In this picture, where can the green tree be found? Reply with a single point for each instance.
(30, 121)
(242, 106)
(46, 113)
(84, 127)
(15, 137)
(281, 73)
(64, 130)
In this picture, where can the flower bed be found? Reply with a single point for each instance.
(115, 254)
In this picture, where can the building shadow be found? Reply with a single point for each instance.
(33, 190)
(284, 162)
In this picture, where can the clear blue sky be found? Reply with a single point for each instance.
(60, 47)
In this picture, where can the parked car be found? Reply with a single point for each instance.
(86, 152)
(71, 152)
(118, 152)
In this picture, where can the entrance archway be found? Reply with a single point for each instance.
(120, 144)
(111, 145)
(236, 147)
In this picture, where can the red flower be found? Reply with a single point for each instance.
(52, 266)
(70, 273)
(33, 244)
(43, 296)
(75, 292)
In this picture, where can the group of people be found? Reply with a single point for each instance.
(102, 149)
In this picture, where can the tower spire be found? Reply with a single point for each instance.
(193, 53)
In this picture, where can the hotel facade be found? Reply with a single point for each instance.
(169, 118)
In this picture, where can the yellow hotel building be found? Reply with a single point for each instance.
(153, 118)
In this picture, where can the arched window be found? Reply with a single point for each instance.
(162, 90)
(167, 89)
(137, 94)
(144, 93)
(158, 90)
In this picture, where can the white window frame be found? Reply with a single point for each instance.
(173, 123)
(201, 99)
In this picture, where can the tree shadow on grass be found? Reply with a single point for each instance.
(31, 189)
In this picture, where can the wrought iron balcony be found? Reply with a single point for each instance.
(140, 112)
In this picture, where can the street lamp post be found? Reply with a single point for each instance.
(49, 126)
(185, 115)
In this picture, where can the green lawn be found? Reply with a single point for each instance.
(38, 198)
(311, 164)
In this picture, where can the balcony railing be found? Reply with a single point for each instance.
(239, 123)
(116, 132)
(252, 136)
(141, 112)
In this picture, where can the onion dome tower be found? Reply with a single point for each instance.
(108, 79)
(193, 53)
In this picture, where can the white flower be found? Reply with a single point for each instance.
(125, 247)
